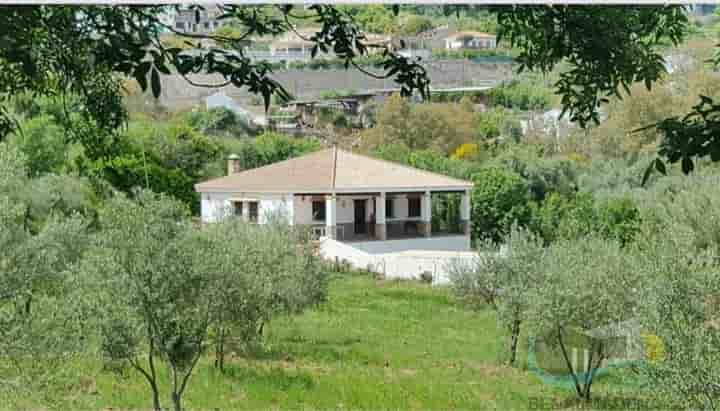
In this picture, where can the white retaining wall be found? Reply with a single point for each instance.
(444, 243)
(403, 263)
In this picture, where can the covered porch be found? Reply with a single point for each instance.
(378, 216)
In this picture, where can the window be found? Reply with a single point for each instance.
(238, 208)
(413, 206)
(253, 211)
(180, 25)
(318, 210)
(389, 209)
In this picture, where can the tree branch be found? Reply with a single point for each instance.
(568, 363)
(205, 85)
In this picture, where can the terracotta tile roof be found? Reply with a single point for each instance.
(332, 170)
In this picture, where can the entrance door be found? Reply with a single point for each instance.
(360, 224)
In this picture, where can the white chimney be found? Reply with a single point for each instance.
(233, 164)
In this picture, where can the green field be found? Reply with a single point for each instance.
(374, 345)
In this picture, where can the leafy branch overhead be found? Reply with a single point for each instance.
(695, 135)
(55, 50)
(88, 50)
(602, 49)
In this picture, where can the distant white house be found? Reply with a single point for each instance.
(220, 99)
(298, 43)
(366, 211)
(470, 40)
(187, 20)
(293, 42)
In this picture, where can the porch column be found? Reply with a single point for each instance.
(380, 225)
(331, 216)
(426, 214)
(465, 213)
(246, 211)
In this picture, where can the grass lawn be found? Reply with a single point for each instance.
(374, 345)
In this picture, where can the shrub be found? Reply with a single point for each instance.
(42, 140)
(219, 120)
(499, 199)
(523, 94)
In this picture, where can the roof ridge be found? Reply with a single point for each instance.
(271, 165)
(407, 167)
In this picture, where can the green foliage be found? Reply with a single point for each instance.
(164, 158)
(162, 285)
(414, 24)
(687, 208)
(689, 137)
(329, 63)
(270, 148)
(442, 127)
(340, 353)
(588, 287)
(480, 55)
(374, 18)
(574, 217)
(522, 94)
(43, 142)
(618, 219)
(499, 200)
(609, 176)
(543, 175)
(87, 55)
(597, 69)
(146, 268)
(332, 94)
(39, 327)
(561, 217)
(42, 197)
(680, 309)
(503, 279)
(220, 121)
(499, 122)
(262, 272)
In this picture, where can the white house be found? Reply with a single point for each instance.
(470, 40)
(363, 210)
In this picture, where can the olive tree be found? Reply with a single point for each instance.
(503, 280)
(680, 308)
(587, 285)
(166, 290)
(153, 301)
(36, 322)
(261, 271)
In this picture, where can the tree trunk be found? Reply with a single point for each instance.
(220, 349)
(592, 370)
(176, 395)
(514, 338)
(156, 397)
(578, 389)
(177, 404)
(179, 390)
(28, 304)
(151, 379)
